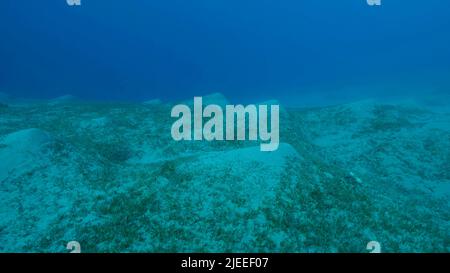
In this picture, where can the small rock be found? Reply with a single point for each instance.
(351, 176)
(328, 175)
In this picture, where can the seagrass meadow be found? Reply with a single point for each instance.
(110, 176)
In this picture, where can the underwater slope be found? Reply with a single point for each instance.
(405, 145)
(111, 177)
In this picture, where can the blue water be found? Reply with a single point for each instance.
(112, 177)
(247, 50)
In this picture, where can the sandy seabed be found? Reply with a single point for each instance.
(109, 176)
